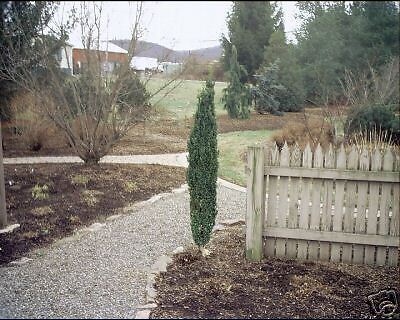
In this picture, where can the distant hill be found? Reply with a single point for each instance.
(154, 50)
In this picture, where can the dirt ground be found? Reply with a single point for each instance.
(158, 136)
(148, 139)
(225, 285)
(77, 195)
(264, 121)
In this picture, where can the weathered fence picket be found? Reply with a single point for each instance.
(295, 161)
(305, 202)
(332, 205)
(339, 209)
(372, 221)
(283, 201)
(326, 218)
(273, 186)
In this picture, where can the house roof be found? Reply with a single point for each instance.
(103, 46)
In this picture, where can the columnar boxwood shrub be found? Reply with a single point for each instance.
(203, 167)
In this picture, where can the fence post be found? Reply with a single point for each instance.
(255, 203)
(3, 211)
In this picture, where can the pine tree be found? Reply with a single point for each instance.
(203, 168)
(271, 94)
(236, 95)
(268, 91)
(250, 25)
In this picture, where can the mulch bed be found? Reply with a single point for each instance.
(78, 195)
(225, 285)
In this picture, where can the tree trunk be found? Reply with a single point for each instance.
(91, 160)
(3, 212)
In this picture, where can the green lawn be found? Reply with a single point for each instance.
(232, 147)
(182, 101)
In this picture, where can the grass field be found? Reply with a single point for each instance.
(232, 147)
(182, 101)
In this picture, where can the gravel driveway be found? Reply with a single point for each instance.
(102, 273)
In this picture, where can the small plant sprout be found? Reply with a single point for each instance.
(130, 186)
(40, 192)
(79, 180)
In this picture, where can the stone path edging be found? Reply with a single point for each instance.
(9, 228)
(231, 185)
(160, 266)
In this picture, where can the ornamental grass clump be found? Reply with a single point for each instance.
(203, 168)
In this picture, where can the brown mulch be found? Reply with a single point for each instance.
(225, 285)
(78, 195)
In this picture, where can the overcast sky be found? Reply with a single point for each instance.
(178, 25)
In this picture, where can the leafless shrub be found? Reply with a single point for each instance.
(31, 127)
(313, 132)
(372, 140)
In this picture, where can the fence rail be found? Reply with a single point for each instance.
(338, 205)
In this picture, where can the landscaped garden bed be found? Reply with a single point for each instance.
(225, 285)
(50, 201)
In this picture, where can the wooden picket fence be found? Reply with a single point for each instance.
(338, 205)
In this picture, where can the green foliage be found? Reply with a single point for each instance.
(276, 49)
(91, 197)
(289, 71)
(84, 95)
(236, 96)
(335, 37)
(20, 23)
(130, 186)
(250, 26)
(203, 167)
(374, 117)
(40, 192)
(379, 23)
(270, 95)
(79, 179)
(133, 94)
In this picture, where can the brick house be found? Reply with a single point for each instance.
(111, 56)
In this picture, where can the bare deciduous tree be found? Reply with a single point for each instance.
(96, 108)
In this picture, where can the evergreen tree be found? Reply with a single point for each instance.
(20, 23)
(335, 37)
(268, 91)
(276, 49)
(379, 30)
(250, 26)
(203, 167)
(289, 71)
(236, 95)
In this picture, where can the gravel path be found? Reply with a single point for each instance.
(102, 274)
(168, 159)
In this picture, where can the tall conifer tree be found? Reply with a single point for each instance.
(203, 168)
